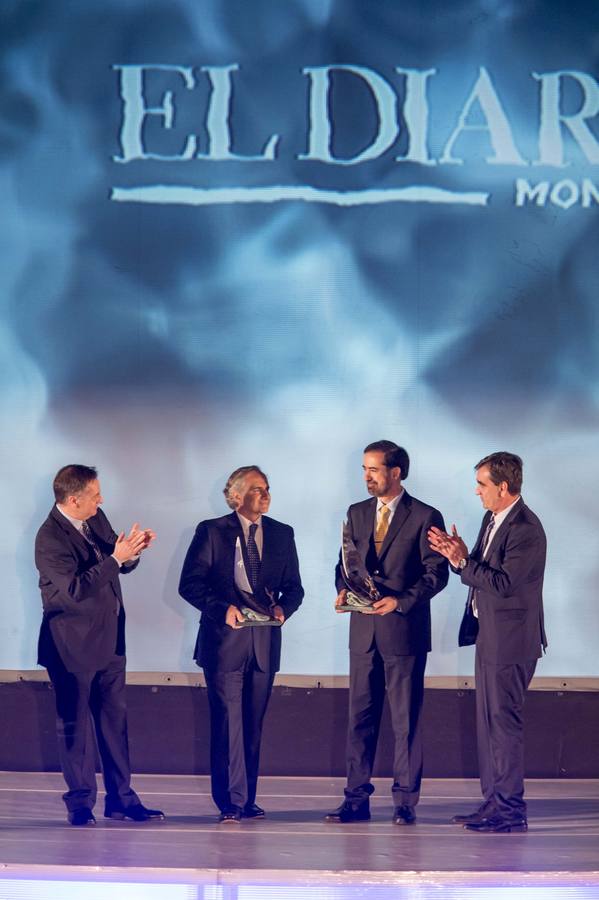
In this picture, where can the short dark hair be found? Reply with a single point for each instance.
(72, 480)
(504, 466)
(393, 455)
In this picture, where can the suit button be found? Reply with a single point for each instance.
(376, 572)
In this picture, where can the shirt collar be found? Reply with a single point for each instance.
(391, 505)
(76, 523)
(245, 523)
(500, 516)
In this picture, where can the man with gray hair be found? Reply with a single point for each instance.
(242, 561)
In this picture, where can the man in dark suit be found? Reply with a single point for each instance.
(504, 617)
(240, 559)
(388, 646)
(82, 643)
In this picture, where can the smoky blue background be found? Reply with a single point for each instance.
(168, 344)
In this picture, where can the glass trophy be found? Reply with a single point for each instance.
(256, 611)
(361, 590)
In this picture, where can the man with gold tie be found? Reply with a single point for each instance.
(389, 641)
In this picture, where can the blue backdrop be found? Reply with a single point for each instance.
(251, 231)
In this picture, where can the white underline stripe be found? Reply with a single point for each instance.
(193, 196)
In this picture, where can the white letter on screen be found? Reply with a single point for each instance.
(135, 112)
(319, 141)
(497, 125)
(551, 144)
(415, 113)
(218, 120)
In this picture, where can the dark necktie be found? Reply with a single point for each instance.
(253, 557)
(487, 535)
(89, 537)
(483, 549)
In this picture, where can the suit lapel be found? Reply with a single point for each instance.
(70, 531)
(267, 548)
(231, 533)
(234, 529)
(475, 552)
(503, 528)
(368, 523)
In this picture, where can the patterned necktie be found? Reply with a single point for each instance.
(253, 557)
(89, 537)
(382, 527)
(487, 535)
(484, 546)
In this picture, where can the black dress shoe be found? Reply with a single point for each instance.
(81, 816)
(497, 825)
(137, 812)
(230, 816)
(404, 815)
(252, 811)
(483, 812)
(350, 812)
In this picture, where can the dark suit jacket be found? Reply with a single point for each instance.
(509, 590)
(407, 569)
(208, 583)
(84, 619)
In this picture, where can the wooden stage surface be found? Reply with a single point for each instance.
(293, 845)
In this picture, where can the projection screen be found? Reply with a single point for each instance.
(248, 231)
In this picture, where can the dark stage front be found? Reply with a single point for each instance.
(305, 731)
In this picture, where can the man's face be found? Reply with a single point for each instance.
(85, 505)
(381, 481)
(493, 496)
(254, 498)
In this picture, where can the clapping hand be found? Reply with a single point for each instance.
(130, 546)
(451, 546)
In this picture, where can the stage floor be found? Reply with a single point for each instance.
(294, 846)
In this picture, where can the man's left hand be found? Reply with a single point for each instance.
(384, 605)
(148, 534)
(278, 614)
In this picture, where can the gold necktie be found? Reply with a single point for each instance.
(382, 526)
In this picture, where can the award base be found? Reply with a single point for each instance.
(354, 603)
(253, 619)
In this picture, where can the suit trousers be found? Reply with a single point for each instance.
(238, 702)
(500, 691)
(83, 698)
(371, 675)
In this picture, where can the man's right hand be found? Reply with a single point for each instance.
(451, 546)
(233, 616)
(129, 547)
(341, 600)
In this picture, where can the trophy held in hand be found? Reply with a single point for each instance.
(257, 610)
(361, 590)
